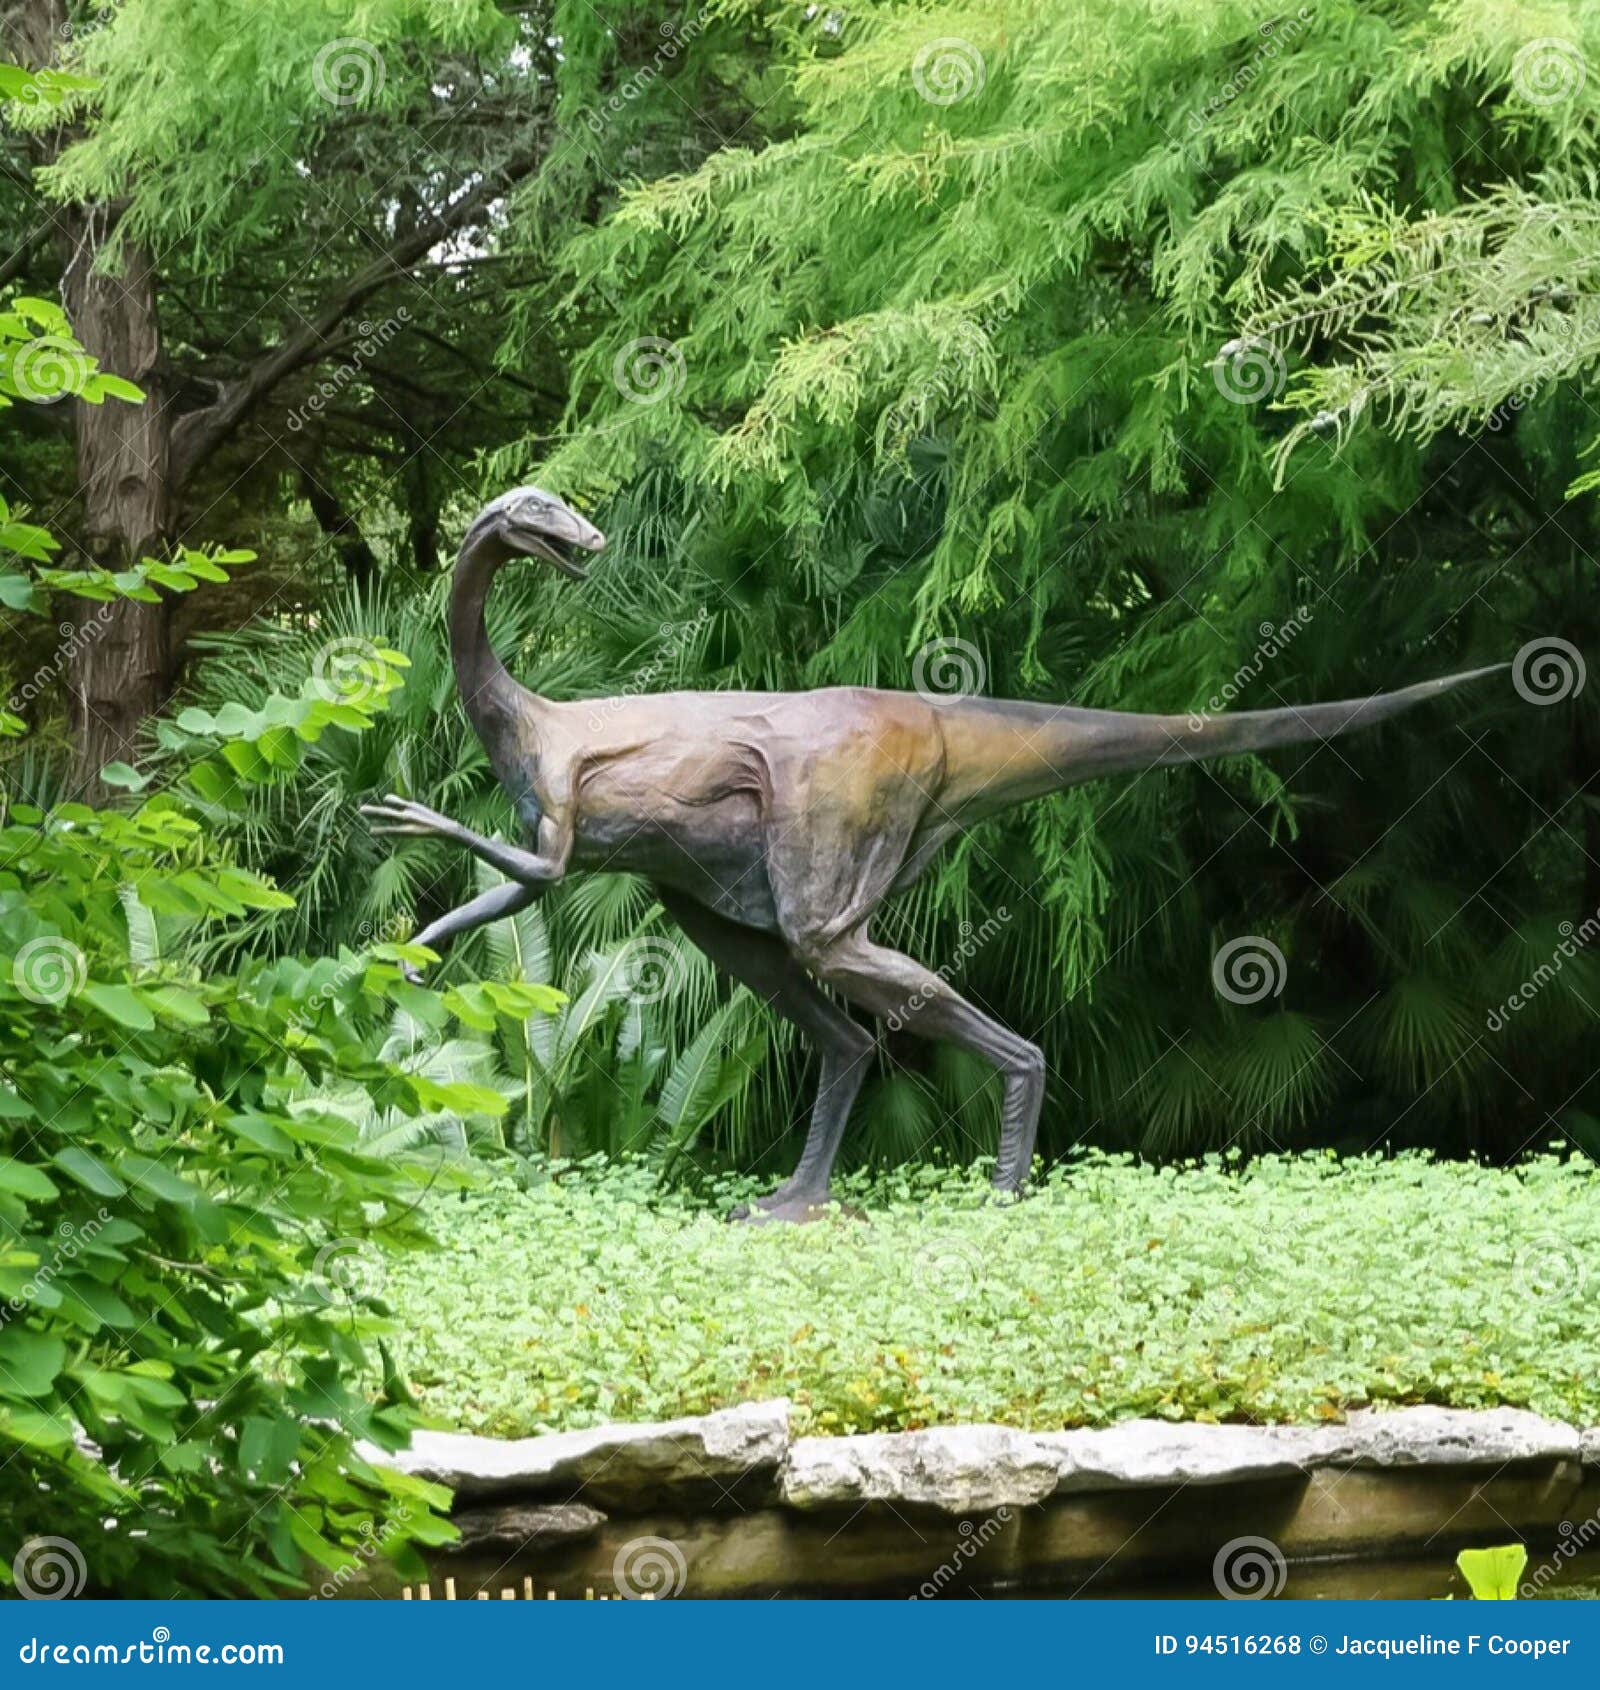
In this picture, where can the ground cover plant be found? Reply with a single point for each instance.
(1291, 1289)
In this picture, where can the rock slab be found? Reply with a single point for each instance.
(1446, 1437)
(513, 1527)
(959, 1469)
(702, 1459)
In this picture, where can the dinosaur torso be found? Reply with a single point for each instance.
(696, 790)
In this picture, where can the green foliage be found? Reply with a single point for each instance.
(1291, 1289)
(169, 1219)
(978, 367)
(219, 89)
(180, 1332)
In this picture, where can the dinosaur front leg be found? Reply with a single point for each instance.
(502, 900)
(404, 816)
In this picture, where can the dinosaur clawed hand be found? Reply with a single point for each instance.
(402, 815)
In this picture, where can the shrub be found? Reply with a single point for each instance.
(190, 1243)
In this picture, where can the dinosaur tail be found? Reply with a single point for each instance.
(1035, 748)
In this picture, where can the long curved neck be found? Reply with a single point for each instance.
(487, 689)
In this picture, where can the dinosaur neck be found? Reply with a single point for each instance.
(487, 689)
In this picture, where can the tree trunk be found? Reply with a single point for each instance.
(342, 529)
(124, 473)
(422, 511)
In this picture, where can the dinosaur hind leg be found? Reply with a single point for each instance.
(764, 964)
(900, 990)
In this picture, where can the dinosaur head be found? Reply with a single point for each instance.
(529, 522)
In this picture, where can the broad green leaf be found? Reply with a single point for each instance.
(176, 1003)
(29, 1361)
(90, 1171)
(26, 1181)
(1493, 1574)
(122, 1003)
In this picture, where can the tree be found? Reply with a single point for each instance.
(348, 188)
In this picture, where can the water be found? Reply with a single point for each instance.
(1391, 1579)
(1429, 1578)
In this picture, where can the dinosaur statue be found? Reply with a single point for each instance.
(773, 825)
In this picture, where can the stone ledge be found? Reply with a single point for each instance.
(699, 1459)
(743, 1456)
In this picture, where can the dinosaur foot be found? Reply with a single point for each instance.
(1006, 1194)
(784, 1204)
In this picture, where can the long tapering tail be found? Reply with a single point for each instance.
(1146, 742)
(1026, 749)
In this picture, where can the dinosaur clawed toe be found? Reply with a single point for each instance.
(783, 1205)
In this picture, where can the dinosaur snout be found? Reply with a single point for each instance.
(586, 535)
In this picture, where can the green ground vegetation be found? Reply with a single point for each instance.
(1293, 1289)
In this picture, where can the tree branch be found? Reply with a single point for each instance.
(197, 435)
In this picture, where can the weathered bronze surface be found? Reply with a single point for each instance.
(775, 824)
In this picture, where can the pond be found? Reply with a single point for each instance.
(1426, 1578)
(1347, 1579)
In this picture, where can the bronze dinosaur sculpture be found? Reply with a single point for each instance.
(773, 825)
